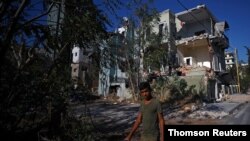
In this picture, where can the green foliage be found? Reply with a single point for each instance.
(178, 88)
(125, 49)
(35, 68)
(77, 129)
(245, 82)
(155, 56)
(169, 89)
(245, 77)
(148, 41)
(30, 101)
(79, 15)
(233, 72)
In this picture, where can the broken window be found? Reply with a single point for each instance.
(188, 61)
(160, 29)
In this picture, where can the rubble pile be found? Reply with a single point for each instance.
(196, 112)
(200, 114)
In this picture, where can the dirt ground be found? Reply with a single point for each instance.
(193, 122)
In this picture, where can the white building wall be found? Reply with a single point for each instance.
(167, 18)
(77, 54)
(199, 56)
(164, 19)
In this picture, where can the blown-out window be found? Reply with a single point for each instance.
(160, 29)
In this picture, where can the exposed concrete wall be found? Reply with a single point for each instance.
(199, 54)
(167, 19)
(164, 19)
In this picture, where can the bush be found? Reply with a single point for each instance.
(169, 89)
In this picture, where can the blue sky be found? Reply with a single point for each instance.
(235, 12)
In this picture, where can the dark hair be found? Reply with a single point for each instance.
(144, 85)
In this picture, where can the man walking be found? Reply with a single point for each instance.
(150, 115)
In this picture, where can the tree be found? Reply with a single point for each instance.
(147, 16)
(248, 61)
(245, 77)
(35, 72)
(142, 17)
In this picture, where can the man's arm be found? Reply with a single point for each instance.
(135, 126)
(161, 124)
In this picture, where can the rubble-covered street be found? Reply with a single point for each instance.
(208, 113)
(117, 118)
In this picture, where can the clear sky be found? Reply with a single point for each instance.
(235, 12)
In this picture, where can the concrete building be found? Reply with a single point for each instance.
(196, 43)
(201, 40)
(229, 59)
(113, 77)
(201, 43)
(166, 29)
(81, 66)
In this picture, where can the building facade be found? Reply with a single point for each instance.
(195, 42)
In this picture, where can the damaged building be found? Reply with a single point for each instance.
(200, 43)
(196, 44)
(113, 77)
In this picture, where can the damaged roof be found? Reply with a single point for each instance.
(200, 12)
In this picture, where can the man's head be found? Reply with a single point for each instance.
(145, 90)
